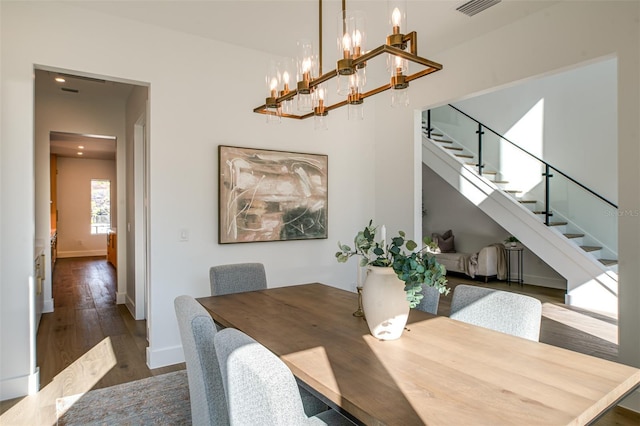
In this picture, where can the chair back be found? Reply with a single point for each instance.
(511, 313)
(260, 388)
(206, 390)
(237, 278)
(430, 301)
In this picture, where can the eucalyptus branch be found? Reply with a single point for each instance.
(416, 268)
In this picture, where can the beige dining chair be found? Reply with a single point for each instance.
(260, 388)
(510, 313)
(237, 278)
(206, 390)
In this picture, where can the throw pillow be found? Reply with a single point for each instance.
(445, 241)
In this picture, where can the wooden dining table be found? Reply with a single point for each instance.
(439, 372)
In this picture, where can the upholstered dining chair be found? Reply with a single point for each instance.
(260, 388)
(430, 301)
(510, 313)
(237, 278)
(241, 277)
(206, 390)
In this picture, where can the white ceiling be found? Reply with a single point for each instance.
(102, 147)
(91, 146)
(274, 26)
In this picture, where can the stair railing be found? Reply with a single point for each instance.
(548, 170)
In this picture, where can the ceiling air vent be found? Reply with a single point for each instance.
(472, 7)
(66, 89)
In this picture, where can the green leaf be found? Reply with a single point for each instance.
(411, 245)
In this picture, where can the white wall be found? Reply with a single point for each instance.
(74, 205)
(133, 232)
(373, 168)
(580, 109)
(576, 108)
(191, 114)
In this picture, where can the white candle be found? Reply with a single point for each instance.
(383, 235)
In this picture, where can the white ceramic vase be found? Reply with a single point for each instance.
(384, 302)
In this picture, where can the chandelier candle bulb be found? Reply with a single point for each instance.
(357, 44)
(346, 46)
(396, 18)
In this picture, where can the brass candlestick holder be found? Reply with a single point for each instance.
(359, 312)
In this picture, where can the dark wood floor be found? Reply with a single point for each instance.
(86, 319)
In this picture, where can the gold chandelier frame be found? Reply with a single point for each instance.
(393, 40)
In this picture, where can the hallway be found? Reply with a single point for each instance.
(84, 292)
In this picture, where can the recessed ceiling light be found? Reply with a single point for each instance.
(80, 153)
(80, 146)
(60, 80)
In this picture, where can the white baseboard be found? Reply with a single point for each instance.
(20, 386)
(162, 357)
(82, 253)
(121, 298)
(545, 281)
(131, 306)
(47, 306)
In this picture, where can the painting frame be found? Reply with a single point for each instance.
(269, 195)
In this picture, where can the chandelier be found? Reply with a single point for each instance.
(309, 91)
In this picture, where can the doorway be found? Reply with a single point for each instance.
(84, 108)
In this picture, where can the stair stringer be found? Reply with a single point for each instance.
(589, 284)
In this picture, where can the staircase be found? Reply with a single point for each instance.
(563, 226)
(590, 268)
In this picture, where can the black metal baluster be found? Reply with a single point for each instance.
(480, 132)
(547, 181)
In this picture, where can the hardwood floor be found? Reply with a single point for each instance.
(90, 342)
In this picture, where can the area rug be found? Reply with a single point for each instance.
(157, 400)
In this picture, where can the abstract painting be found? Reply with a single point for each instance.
(267, 195)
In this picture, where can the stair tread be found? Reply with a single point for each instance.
(527, 201)
(484, 172)
(441, 140)
(608, 262)
(541, 212)
(453, 148)
(500, 181)
(574, 235)
(464, 155)
(557, 223)
(513, 191)
(590, 248)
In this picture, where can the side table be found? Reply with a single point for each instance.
(518, 250)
